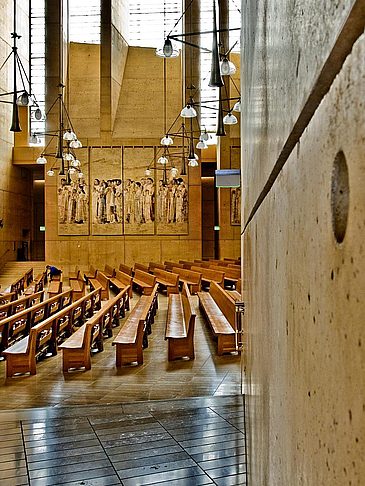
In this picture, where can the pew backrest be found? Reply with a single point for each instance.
(109, 271)
(208, 274)
(224, 302)
(125, 269)
(171, 278)
(145, 277)
(140, 266)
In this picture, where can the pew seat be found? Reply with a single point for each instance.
(180, 324)
(219, 310)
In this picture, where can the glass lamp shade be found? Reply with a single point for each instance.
(166, 140)
(50, 172)
(148, 172)
(201, 144)
(41, 160)
(163, 160)
(33, 139)
(75, 144)
(68, 157)
(38, 115)
(24, 99)
(229, 119)
(237, 106)
(193, 163)
(69, 136)
(205, 136)
(168, 50)
(227, 67)
(188, 112)
(174, 172)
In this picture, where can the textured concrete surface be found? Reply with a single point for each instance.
(305, 292)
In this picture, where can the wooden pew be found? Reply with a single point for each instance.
(131, 339)
(139, 266)
(37, 285)
(43, 338)
(170, 265)
(192, 279)
(125, 269)
(186, 264)
(77, 285)
(100, 282)
(209, 275)
(109, 271)
(144, 282)
(220, 312)
(77, 348)
(55, 287)
(231, 275)
(167, 280)
(122, 280)
(75, 275)
(22, 282)
(20, 304)
(18, 325)
(153, 265)
(91, 273)
(180, 324)
(7, 297)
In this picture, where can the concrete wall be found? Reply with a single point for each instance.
(15, 183)
(304, 290)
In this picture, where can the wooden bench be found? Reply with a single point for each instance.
(44, 337)
(231, 275)
(91, 273)
(209, 275)
(20, 304)
(75, 275)
(18, 325)
(167, 280)
(131, 339)
(220, 312)
(100, 281)
(170, 265)
(109, 271)
(192, 279)
(7, 297)
(153, 265)
(22, 282)
(37, 285)
(139, 266)
(125, 269)
(77, 285)
(186, 264)
(180, 324)
(144, 282)
(122, 280)
(77, 348)
(55, 287)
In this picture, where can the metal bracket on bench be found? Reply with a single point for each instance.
(240, 307)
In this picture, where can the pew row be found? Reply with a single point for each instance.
(192, 279)
(209, 275)
(132, 338)
(14, 306)
(18, 325)
(45, 336)
(120, 281)
(180, 325)
(167, 280)
(101, 281)
(219, 310)
(143, 282)
(125, 269)
(76, 350)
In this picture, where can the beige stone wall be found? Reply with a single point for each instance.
(15, 183)
(304, 291)
(138, 122)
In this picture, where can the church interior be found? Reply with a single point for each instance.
(182, 216)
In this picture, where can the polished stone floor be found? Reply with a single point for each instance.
(156, 379)
(186, 442)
